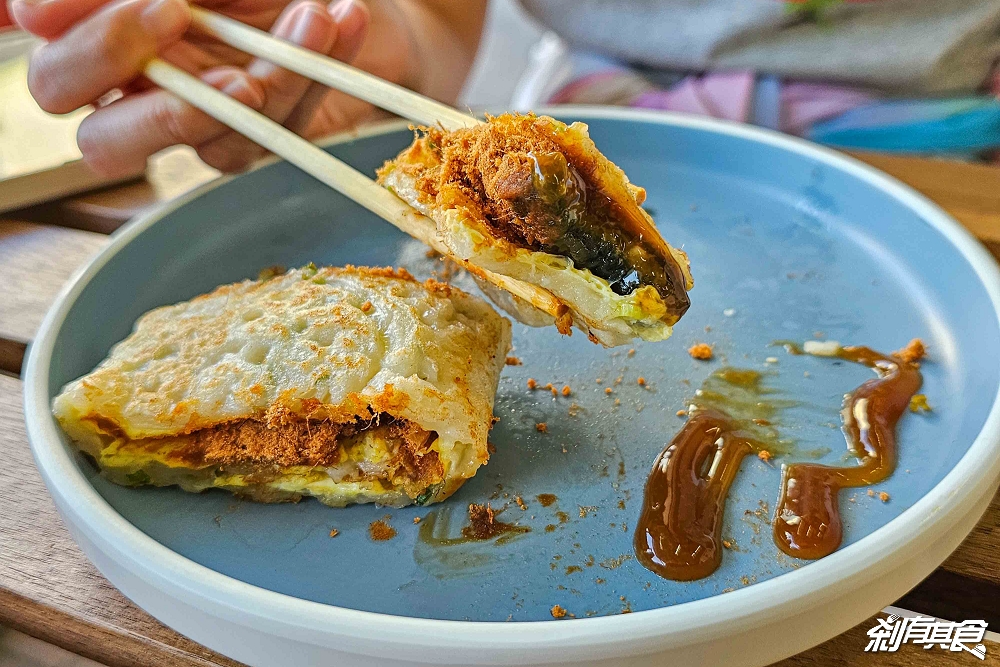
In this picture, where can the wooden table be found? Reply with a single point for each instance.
(49, 590)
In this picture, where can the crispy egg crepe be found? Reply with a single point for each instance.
(351, 385)
(532, 198)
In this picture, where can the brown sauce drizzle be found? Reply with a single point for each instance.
(679, 531)
(807, 518)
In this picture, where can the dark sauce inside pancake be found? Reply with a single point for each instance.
(560, 213)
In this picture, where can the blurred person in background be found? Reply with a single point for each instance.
(900, 75)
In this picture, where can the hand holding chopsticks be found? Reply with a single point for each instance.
(333, 73)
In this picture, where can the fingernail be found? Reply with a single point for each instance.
(241, 89)
(165, 18)
(306, 15)
(340, 10)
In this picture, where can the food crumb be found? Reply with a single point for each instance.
(641, 381)
(417, 519)
(631, 352)
(586, 509)
(771, 360)
(871, 494)
(614, 563)
(574, 410)
(334, 532)
(918, 403)
(681, 413)
(532, 384)
(700, 351)
(913, 352)
(491, 448)
(618, 401)
(599, 580)
(805, 374)
(520, 503)
(566, 391)
(607, 390)
(380, 531)
(727, 544)
(366, 306)
(513, 361)
(542, 427)
(618, 380)
(764, 455)
(570, 569)
(557, 611)
(484, 525)
(546, 499)
(883, 496)
(729, 312)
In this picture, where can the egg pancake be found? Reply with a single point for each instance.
(348, 384)
(532, 198)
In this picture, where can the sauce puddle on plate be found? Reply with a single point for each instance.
(679, 531)
(807, 518)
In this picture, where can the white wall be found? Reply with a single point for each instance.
(503, 56)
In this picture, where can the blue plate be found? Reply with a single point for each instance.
(783, 244)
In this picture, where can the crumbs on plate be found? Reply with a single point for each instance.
(380, 531)
(700, 351)
(913, 352)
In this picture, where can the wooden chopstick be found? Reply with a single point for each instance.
(337, 174)
(330, 72)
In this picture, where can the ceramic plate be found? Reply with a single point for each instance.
(786, 241)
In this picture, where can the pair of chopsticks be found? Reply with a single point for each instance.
(310, 158)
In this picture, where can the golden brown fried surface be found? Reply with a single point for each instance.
(324, 382)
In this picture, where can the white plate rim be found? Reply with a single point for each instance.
(382, 634)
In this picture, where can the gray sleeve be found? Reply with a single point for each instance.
(897, 45)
